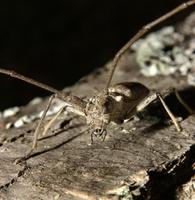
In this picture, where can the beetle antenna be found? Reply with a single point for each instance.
(140, 33)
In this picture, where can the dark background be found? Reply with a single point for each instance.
(57, 42)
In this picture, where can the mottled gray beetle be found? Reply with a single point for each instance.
(114, 104)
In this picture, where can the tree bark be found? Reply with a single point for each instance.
(145, 158)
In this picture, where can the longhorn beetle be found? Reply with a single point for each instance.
(114, 104)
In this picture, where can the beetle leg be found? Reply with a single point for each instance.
(153, 97)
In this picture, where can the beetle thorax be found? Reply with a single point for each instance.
(98, 112)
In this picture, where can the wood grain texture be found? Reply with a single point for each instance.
(145, 158)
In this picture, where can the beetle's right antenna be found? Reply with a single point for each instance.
(76, 102)
(28, 80)
(140, 33)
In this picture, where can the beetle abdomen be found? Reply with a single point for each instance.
(132, 90)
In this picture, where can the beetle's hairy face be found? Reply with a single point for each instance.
(98, 113)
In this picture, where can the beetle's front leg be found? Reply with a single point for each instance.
(40, 126)
(92, 138)
(37, 131)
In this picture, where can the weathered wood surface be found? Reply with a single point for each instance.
(143, 158)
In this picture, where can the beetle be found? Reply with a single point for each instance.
(113, 104)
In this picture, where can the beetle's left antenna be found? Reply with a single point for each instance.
(140, 33)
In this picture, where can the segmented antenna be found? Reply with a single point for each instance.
(140, 33)
(65, 96)
(29, 80)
